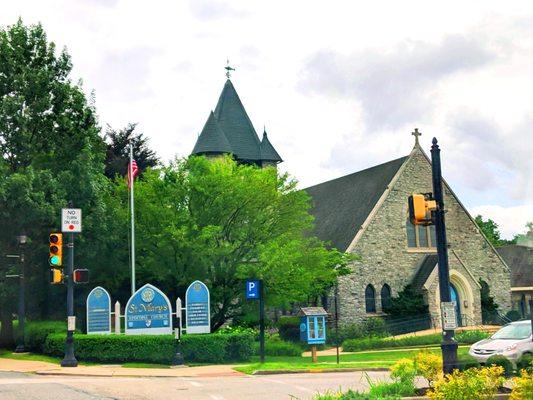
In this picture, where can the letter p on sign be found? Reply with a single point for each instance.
(252, 290)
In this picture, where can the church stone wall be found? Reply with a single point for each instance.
(385, 257)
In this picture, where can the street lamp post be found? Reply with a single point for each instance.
(21, 240)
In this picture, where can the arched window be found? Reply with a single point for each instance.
(420, 236)
(370, 299)
(385, 297)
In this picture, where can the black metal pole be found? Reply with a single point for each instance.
(21, 308)
(261, 322)
(531, 314)
(448, 345)
(337, 321)
(70, 359)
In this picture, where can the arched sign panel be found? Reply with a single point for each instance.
(148, 312)
(197, 308)
(98, 311)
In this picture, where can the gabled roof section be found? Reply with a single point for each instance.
(235, 123)
(212, 139)
(340, 206)
(268, 153)
(520, 261)
(424, 270)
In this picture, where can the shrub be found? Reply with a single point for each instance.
(115, 348)
(513, 315)
(471, 337)
(525, 362)
(240, 346)
(374, 327)
(428, 365)
(523, 387)
(403, 370)
(503, 362)
(388, 343)
(280, 348)
(217, 348)
(289, 328)
(473, 384)
(385, 390)
(36, 332)
(466, 361)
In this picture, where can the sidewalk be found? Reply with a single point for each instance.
(45, 368)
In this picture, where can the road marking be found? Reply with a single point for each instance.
(195, 384)
(216, 397)
(302, 388)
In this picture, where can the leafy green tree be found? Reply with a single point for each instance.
(221, 222)
(524, 238)
(117, 153)
(491, 231)
(408, 303)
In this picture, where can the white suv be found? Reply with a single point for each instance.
(511, 341)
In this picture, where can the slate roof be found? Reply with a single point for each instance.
(424, 270)
(211, 139)
(268, 152)
(311, 311)
(520, 261)
(340, 206)
(231, 121)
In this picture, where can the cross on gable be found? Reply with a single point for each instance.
(416, 134)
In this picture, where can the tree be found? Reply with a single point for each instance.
(222, 223)
(491, 231)
(117, 153)
(408, 303)
(51, 152)
(527, 237)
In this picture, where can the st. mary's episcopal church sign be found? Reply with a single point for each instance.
(148, 312)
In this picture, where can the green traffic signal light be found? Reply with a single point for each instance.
(55, 260)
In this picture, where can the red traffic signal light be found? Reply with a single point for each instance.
(81, 276)
(55, 253)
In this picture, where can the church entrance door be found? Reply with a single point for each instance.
(454, 294)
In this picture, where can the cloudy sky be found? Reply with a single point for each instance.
(339, 85)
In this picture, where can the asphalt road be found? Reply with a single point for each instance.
(290, 386)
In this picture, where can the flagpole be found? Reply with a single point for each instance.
(132, 179)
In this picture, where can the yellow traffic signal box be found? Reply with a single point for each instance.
(55, 254)
(420, 207)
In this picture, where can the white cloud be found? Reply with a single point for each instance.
(510, 220)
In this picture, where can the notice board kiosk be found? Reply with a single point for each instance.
(313, 327)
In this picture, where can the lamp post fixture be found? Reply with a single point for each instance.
(21, 240)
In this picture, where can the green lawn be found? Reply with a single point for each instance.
(366, 359)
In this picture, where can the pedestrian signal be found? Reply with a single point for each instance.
(420, 207)
(81, 276)
(56, 276)
(55, 255)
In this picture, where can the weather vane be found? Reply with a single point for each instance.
(228, 69)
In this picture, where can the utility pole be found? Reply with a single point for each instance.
(70, 359)
(448, 345)
(21, 240)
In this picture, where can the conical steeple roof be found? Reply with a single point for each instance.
(229, 130)
(234, 121)
(212, 139)
(268, 152)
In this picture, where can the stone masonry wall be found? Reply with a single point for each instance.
(385, 257)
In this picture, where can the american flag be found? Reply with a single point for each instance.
(132, 170)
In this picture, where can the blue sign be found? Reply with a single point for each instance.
(253, 290)
(148, 312)
(98, 311)
(197, 308)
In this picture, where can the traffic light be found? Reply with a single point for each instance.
(56, 276)
(55, 255)
(81, 276)
(420, 207)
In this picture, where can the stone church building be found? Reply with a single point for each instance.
(366, 213)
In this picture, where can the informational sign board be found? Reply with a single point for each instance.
(98, 311)
(197, 308)
(253, 290)
(148, 312)
(71, 220)
(449, 317)
(71, 323)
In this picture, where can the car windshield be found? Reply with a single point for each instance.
(517, 331)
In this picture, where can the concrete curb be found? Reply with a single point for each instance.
(315, 371)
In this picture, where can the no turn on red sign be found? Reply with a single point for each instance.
(71, 220)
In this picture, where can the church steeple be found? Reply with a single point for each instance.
(229, 130)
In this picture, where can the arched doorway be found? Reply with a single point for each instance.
(454, 295)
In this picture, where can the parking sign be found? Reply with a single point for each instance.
(253, 290)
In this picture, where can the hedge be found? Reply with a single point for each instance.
(426, 340)
(209, 348)
(289, 328)
(35, 333)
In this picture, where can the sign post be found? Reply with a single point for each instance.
(70, 222)
(254, 291)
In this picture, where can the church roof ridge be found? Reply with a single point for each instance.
(268, 152)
